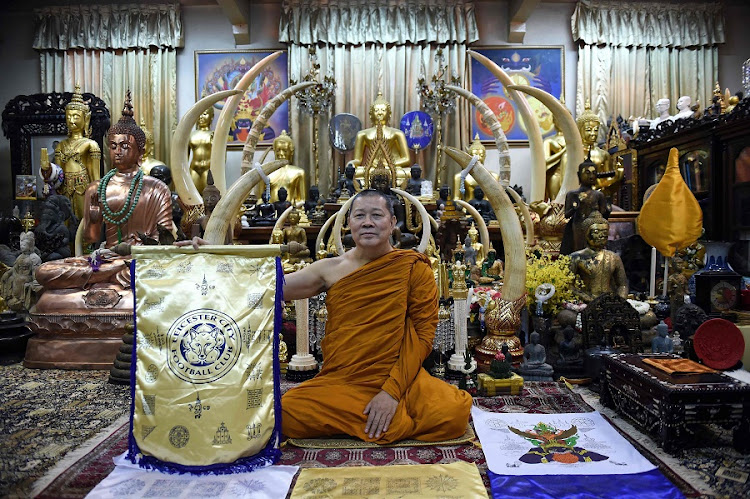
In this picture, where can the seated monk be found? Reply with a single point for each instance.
(128, 203)
(382, 313)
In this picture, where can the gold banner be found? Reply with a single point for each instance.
(204, 381)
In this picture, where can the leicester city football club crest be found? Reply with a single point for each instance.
(204, 345)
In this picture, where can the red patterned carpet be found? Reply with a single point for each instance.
(540, 397)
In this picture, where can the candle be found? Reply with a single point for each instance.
(652, 287)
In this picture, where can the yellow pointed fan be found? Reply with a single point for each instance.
(671, 218)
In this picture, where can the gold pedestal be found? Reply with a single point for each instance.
(493, 343)
(502, 319)
(489, 386)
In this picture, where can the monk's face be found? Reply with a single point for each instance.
(371, 222)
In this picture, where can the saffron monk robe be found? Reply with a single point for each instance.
(382, 314)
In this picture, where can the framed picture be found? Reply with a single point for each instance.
(540, 67)
(221, 70)
(25, 187)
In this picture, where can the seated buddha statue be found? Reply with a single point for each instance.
(266, 213)
(413, 185)
(600, 270)
(478, 246)
(200, 149)
(348, 185)
(475, 149)
(296, 233)
(534, 366)
(290, 177)
(78, 156)
(124, 206)
(148, 161)
(608, 176)
(282, 203)
(381, 142)
(482, 205)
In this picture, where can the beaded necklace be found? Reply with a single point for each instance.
(123, 215)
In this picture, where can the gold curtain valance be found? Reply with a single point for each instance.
(648, 24)
(102, 27)
(355, 22)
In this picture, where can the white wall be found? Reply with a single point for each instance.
(736, 50)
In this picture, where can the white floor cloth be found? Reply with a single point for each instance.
(504, 449)
(128, 480)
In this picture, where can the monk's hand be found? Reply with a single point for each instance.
(379, 412)
(196, 242)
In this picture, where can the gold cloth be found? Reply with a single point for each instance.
(671, 218)
(458, 479)
(205, 380)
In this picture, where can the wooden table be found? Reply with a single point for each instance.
(666, 405)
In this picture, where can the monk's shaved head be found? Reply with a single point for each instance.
(374, 193)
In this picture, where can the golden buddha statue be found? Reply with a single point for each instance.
(478, 246)
(200, 147)
(148, 161)
(600, 270)
(475, 149)
(295, 233)
(381, 143)
(556, 157)
(609, 177)
(291, 177)
(78, 156)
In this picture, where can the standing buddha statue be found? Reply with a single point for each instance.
(290, 177)
(148, 161)
(556, 158)
(381, 143)
(78, 156)
(608, 176)
(200, 147)
(475, 149)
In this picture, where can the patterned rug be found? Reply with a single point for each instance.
(46, 414)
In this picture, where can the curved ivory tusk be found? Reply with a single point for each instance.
(489, 119)
(510, 227)
(248, 151)
(538, 163)
(527, 221)
(183, 182)
(229, 205)
(573, 140)
(426, 224)
(323, 230)
(433, 223)
(226, 117)
(484, 234)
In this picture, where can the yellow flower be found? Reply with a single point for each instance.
(544, 269)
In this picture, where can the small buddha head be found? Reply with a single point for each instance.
(277, 236)
(126, 139)
(380, 111)
(381, 179)
(491, 256)
(77, 113)
(314, 193)
(534, 338)
(478, 193)
(283, 147)
(416, 171)
(587, 172)
(477, 149)
(588, 124)
(445, 192)
(596, 228)
(206, 118)
(148, 152)
(211, 194)
(162, 172)
(349, 171)
(27, 242)
(282, 193)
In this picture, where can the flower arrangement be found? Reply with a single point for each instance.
(500, 367)
(544, 269)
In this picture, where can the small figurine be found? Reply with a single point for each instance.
(662, 343)
(18, 284)
(470, 254)
(312, 199)
(445, 193)
(199, 148)
(319, 216)
(282, 204)
(211, 197)
(662, 107)
(348, 183)
(413, 185)
(296, 233)
(570, 353)
(52, 235)
(482, 205)
(266, 213)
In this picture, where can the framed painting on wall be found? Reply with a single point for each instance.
(221, 70)
(537, 66)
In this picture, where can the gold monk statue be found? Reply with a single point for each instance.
(78, 156)
(556, 157)
(600, 270)
(381, 143)
(148, 161)
(609, 177)
(475, 149)
(290, 177)
(200, 148)
(128, 204)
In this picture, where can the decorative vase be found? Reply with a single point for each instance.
(502, 323)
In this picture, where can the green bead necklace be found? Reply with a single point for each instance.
(123, 215)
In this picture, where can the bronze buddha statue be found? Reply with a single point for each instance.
(78, 156)
(600, 270)
(579, 204)
(200, 147)
(381, 143)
